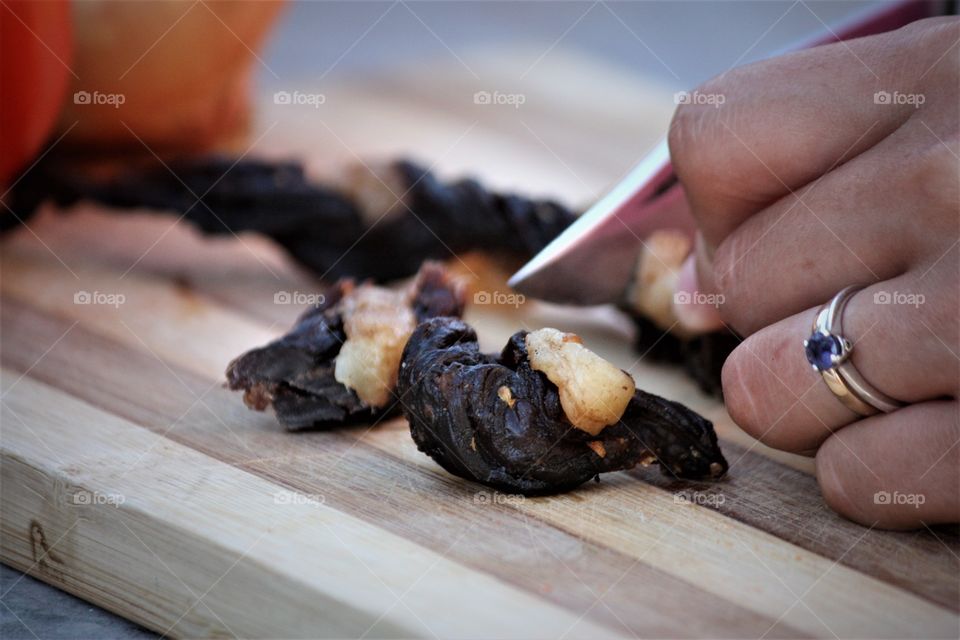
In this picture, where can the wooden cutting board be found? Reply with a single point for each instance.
(133, 479)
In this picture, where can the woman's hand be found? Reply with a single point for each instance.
(821, 169)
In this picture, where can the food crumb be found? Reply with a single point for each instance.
(506, 395)
(597, 447)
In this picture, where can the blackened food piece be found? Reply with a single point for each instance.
(702, 356)
(295, 374)
(322, 226)
(494, 420)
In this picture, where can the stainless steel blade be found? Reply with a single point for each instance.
(593, 260)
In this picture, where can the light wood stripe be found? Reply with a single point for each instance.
(389, 491)
(402, 441)
(303, 569)
(728, 557)
(205, 325)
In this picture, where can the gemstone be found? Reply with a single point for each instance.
(820, 350)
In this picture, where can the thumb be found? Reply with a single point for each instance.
(695, 300)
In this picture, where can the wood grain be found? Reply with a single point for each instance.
(374, 474)
(201, 518)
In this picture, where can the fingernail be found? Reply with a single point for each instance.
(695, 310)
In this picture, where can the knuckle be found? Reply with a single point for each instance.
(837, 484)
(726, 261)
(932, 38)
(936, 34)
(847, 489)
(759, 402)
(695, 137)
(731, 277)
(932, 172)
(682, 138)
(740, 381)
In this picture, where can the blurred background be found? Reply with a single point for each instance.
(679, 43)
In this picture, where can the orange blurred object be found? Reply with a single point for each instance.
(35, 54)
(171, 75)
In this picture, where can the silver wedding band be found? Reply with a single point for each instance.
(828, 352)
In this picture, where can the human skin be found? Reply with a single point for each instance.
(803, 181)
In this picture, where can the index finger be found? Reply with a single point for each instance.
(757, 133)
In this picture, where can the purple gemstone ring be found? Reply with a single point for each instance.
(828, 352)
(825, 350)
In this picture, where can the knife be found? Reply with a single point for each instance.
(593, 260)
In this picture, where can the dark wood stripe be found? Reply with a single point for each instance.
(432, 509)
(787, 503)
